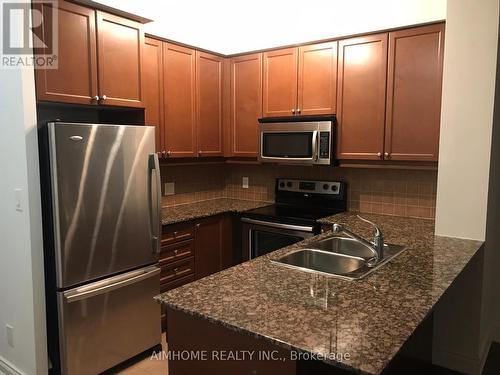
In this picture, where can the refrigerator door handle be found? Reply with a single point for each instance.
(109, 285)
(155, 209)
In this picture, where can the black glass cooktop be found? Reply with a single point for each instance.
(290, 214)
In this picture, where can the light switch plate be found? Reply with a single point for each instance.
(10, 335)
(245, 183)
(18, 196)
(169, 188)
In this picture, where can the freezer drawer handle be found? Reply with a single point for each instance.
(103, 287)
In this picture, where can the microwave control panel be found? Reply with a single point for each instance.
(324, 145)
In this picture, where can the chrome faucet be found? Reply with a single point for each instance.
(377, 246)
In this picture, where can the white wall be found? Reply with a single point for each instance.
(239, 26)
(466, 117)
(463, 209)
(22, 299)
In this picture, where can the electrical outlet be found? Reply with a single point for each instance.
(169, 188)
(10, 335)
(245, 183)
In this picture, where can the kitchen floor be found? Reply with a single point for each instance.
(147, 365)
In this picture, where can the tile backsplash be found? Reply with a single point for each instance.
(393, 192)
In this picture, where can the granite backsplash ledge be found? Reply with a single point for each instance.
(410, 193)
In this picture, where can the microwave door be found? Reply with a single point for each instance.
(291, 146)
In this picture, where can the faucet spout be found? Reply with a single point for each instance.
(377, 247)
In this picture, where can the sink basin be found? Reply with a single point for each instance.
(337, 256)
(322, 261)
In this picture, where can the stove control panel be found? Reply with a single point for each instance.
(309, 186)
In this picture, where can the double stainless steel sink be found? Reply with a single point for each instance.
(342, 257)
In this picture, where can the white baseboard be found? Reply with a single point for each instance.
(8, 369)
(457, 362)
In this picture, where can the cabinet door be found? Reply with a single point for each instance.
(153, 88)
(208, 244)
(361, 97)
(317, 85)
(119, 52)
(209, 104)
(414, 93)
(179, 99)
(75, 79)
(280, 83)
(246, 104)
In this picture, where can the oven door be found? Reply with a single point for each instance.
(262, 237)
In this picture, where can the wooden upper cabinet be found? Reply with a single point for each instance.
(361, 97)
(317, 79)
(75, 79)
(209, 104)
(246, 104)
(280, 83)
(414, 93)
(179, 100)
(153, 88)
(119, 52)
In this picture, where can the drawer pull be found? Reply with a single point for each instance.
(176, 251)
(176, 270)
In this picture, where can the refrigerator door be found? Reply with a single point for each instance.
(106, 199)
(107, 322)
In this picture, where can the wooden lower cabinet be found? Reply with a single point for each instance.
(213, 245)
(196, 249)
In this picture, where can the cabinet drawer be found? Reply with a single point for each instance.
(176, 252)
(176, 233)
(175, 270)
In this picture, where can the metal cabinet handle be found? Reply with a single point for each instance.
(104, 97)
(176, 252)
(176, 270)
(199, 153)
(387, 155)
(169, 153)
(298, 110)
(379, 154)
(293, 110)
(96, 98)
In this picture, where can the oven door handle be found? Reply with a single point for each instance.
(278, 225)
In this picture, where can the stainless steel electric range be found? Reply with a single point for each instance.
(293, 218)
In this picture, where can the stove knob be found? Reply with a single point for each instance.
(334, 188)
(325, 186)
(289, 184)
(282, 184)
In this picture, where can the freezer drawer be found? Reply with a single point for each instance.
(107, 322)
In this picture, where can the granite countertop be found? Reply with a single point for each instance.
(190, 211)
(370, 318)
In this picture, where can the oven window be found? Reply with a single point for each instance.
(265, 242)
(287, 145)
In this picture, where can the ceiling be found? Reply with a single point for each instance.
(230, 27)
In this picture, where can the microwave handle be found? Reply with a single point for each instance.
(315, 150)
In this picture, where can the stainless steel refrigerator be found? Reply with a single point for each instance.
(102, 202)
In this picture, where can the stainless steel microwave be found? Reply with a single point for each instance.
(308, 142)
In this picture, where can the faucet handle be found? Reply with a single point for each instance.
(378, 232)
